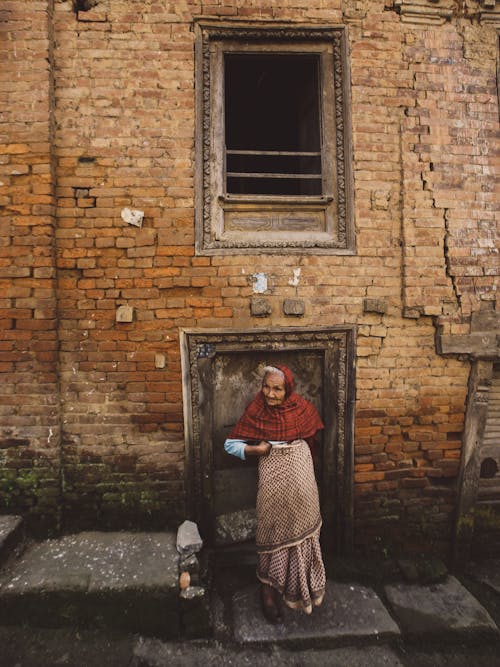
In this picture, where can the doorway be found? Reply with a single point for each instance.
(221, 375)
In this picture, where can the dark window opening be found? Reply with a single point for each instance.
(489, 468)
(272, 124)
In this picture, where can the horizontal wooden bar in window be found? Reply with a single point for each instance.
(273, 153)
(243, 174)
(306, 201)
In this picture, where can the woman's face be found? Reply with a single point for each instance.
(273, 388)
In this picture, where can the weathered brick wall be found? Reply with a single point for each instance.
(29, 414)
(451, 247)
(124, 113)
(423, 207)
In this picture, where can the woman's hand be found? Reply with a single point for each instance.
(262, 449)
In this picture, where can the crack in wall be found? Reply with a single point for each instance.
(446, 238)
(447, 261)
(402, 236)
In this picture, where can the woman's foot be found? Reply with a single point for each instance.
(269, 608)
(278, 603)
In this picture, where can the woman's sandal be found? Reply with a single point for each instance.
(269, 607)
(278, 603)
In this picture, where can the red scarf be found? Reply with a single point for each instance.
(294, 419)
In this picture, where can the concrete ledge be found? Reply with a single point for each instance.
(120, 580)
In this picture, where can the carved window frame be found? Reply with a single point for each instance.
(243, 224)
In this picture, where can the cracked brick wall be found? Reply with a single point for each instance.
(451, 251)
(120, 90)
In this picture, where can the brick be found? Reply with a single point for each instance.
(425, 256)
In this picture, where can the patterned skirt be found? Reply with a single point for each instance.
(288, 526)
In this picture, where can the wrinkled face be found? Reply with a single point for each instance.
(273, 388)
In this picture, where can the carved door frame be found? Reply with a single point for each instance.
(476, 415)
(337, 346)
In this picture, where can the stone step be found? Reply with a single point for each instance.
(350, 614)
(130, 581)
(12, 537)
(127, 581)
(440, 610)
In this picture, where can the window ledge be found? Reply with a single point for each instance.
(306, 200)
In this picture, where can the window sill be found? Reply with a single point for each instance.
(278, 200)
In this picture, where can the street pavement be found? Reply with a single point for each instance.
(112, 600)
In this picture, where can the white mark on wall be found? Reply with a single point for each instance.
(132, 217)
(259, 283)
(296, 278)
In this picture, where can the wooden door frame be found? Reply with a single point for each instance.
(199, 347)
(468, 481)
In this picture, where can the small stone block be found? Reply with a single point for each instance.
(294, 307)
(193, 593)
(380, 200)
(260, 308)
(189, 564)
(374, 306)
(412, 313)
(160, 361)
(235, 526)
(188, 538)
(124, 314)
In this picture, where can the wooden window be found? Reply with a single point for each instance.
(272, 140)
(272, 124)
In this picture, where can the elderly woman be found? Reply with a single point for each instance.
(279, 426)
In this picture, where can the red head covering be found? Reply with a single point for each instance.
(293, 419)
(289, 379)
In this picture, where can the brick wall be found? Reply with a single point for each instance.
(29, 400)
(424, 109)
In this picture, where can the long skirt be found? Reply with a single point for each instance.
(288, 526)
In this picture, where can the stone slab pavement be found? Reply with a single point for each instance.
(349, 613)
(151, 653)
(357, 630)
(117, 594)
(69, 647)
